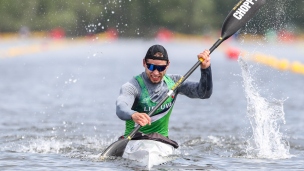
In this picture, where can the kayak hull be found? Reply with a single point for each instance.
(148, 152)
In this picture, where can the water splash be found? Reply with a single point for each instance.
(85, 148)
(265, 117)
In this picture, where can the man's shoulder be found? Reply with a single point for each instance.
(132, 83)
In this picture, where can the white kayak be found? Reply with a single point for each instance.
(148, 152)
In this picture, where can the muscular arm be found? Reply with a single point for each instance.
(125, 100)
(201, 89)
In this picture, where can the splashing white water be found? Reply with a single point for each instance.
(85, 148)
(265, 117)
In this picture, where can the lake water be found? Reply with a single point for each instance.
(57, 106)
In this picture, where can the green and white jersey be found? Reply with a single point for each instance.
(159, 119)
(140, 95)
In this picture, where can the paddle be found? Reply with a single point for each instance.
(239, 15)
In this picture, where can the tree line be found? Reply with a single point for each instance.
(142, 18)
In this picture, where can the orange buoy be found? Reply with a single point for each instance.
(232, 53)
(164, 34)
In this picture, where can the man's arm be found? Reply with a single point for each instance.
(125, 100)
(201, 89)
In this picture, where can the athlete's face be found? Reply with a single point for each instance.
(155, 75)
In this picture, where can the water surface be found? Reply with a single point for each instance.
(58, 107)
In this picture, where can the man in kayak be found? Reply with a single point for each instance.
(139, 95)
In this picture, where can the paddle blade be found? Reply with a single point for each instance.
(116, 149)
(240, 14)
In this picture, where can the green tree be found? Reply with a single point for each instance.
(141, 18)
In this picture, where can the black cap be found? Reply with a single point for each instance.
(153, 50)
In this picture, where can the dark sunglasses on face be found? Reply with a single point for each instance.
(153, 67)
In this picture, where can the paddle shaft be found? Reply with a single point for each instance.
(177, 84)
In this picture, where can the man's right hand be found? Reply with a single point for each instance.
(141, 118)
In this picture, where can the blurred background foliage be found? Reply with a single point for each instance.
(141, 18)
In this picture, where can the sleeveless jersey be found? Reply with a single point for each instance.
(160, 118)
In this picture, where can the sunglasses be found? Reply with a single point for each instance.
(153, 67)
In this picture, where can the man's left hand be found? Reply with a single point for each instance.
(205, 58)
